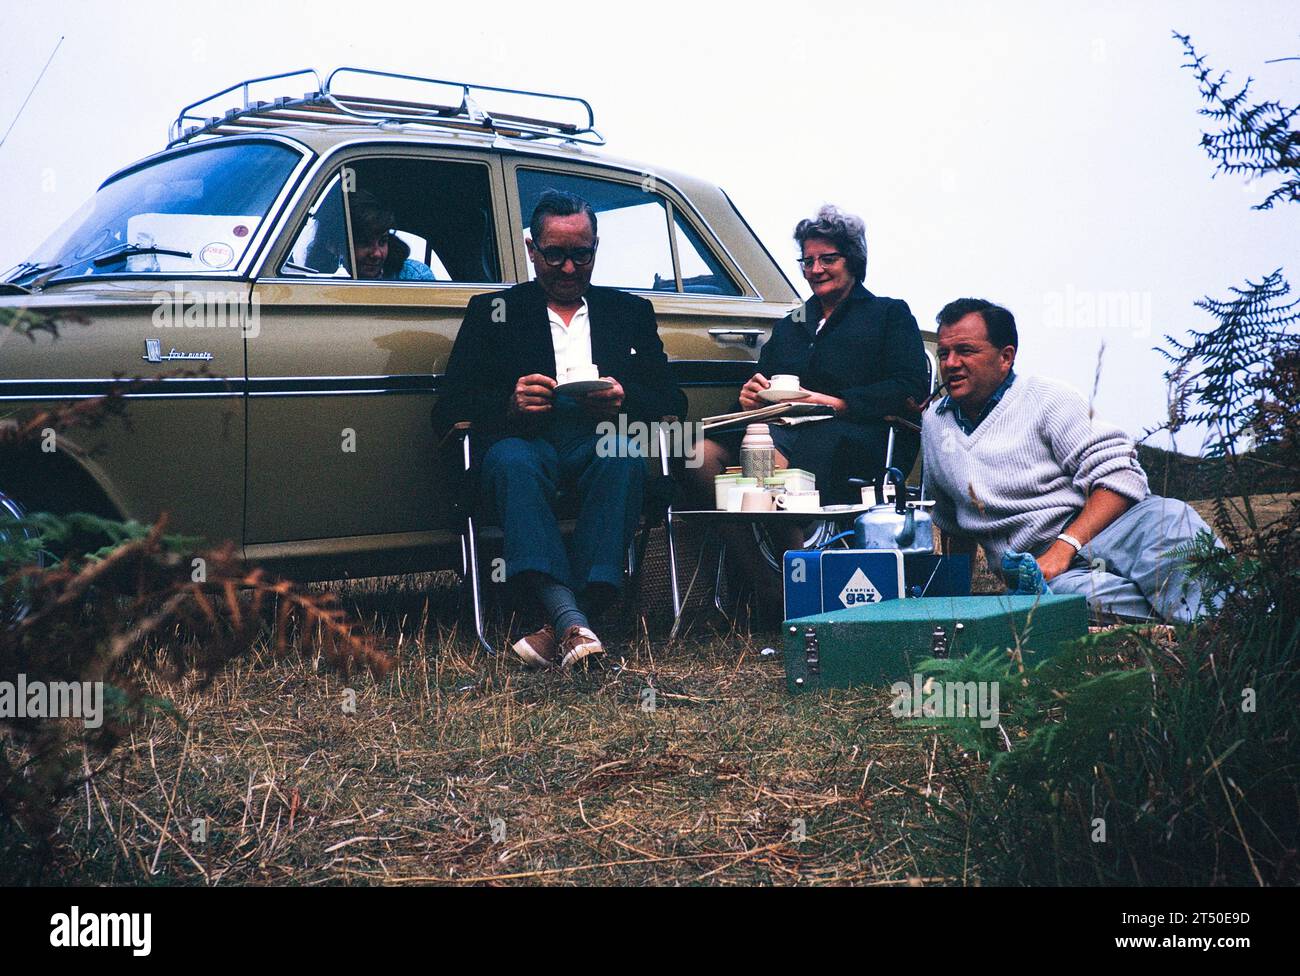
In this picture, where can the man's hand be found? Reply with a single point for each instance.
(532, 394)
(1056, 560)
(605, 403)
(749, 392)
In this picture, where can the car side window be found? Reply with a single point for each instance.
(632, 224)
(321, 247)
(702, 272)
(400, 219)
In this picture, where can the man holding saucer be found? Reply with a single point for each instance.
(536, 368)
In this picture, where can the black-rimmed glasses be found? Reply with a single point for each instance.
(556, 256)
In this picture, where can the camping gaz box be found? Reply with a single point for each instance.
(883, 642)
(821, 580)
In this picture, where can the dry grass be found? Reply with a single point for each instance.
(589, 785)
(584, 783)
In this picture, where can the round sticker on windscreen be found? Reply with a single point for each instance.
(217, 255)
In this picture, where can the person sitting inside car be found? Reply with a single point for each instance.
(381, 254)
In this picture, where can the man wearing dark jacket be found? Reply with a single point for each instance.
(514, 356)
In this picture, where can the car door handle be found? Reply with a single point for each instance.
(749, 336)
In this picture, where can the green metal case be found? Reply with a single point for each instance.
(879, 643)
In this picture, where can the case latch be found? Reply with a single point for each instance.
(811, 654)
(939, 642)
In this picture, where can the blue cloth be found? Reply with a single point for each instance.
(1131, 569)
(1023, 575)
(968, 424)
(522, 478)
(413, 270)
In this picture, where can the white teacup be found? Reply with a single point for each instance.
(581, 374)
(722, 488)
(736, 489)
(755, 500)
(799, 501)
(785, 382)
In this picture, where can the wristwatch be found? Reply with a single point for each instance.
(1066, 537)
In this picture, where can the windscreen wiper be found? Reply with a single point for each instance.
(131, 250)
(29, 269)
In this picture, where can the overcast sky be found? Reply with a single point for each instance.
(1043, 155)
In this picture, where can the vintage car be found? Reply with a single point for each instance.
(287, 400)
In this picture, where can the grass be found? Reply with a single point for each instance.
(583, 780)
(460, 768)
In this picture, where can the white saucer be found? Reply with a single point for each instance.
(781, 396)
(579, 387)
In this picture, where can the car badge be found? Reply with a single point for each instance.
(153, 353)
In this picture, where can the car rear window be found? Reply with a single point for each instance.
(633, 225)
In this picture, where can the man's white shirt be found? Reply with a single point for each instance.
(572, 342)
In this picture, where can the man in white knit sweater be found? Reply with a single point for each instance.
(1019, 465)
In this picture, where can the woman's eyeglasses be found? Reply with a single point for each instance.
(830, 260)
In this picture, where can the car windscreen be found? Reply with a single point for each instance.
(188, 213)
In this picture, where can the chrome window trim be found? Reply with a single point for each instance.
(327, 161)
(594, 163)
(372, 283)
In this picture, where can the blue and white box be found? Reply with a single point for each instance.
(822, 580)
(818, 581)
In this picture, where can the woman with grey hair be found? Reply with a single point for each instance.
(860, 354)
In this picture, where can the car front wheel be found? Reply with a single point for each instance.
(14, 603)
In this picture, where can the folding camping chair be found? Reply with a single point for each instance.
(659, 491)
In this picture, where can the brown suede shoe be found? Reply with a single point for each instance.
(539, 649)
(579, 643)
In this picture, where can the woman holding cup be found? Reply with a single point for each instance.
(860, 354)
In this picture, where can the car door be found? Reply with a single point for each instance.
(712, 318)
(342, 375)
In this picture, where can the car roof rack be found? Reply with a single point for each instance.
(460, 107)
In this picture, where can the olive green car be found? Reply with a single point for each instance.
(287, 402)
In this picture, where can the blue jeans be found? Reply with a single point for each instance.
(1128, 570)
(522, 478)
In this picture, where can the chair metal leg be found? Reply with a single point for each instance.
(469, 544)
(636, 559)
(672, 574)
(717, 579)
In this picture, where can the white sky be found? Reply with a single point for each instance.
(1043, 155)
